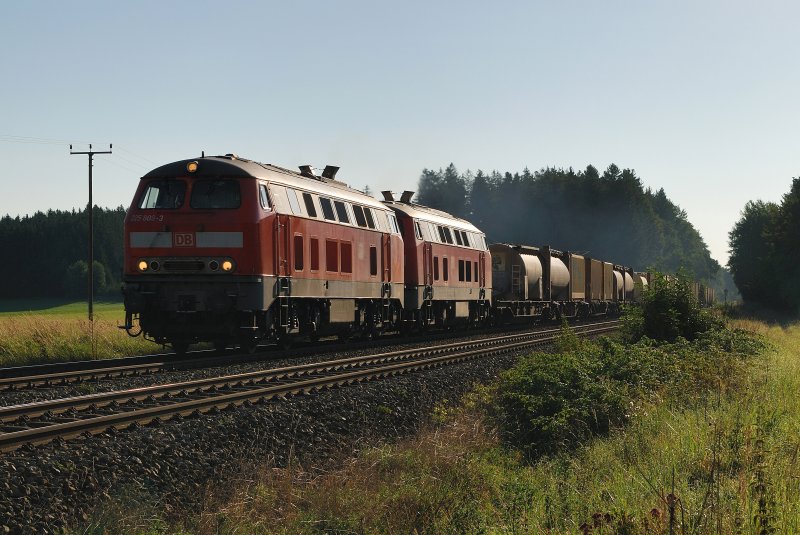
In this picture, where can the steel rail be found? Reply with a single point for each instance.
(335, 373)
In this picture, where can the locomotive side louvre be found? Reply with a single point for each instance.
(447, 265)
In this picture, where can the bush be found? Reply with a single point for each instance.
(667, 310)
(550, 402)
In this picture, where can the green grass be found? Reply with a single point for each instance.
(62, 307)
(39, 331)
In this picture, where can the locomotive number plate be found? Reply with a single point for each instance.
(182, 239)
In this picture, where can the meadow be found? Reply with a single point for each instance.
(40, 331)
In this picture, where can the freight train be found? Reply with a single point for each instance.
(227, 250)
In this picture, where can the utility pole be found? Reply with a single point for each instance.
(91, 154)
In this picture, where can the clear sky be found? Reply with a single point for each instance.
(700, 98)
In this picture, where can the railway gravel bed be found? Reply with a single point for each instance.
(48, 487)
(56, 485)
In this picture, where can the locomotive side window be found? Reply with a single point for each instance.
(445, 235)
(358, 212)
(215, 194)
(370, 218)
(163, 195)
(313, 245)
(432, 232)
(469, 271)
(347, 257)
(293, 202)
(327, 209)
(461, 270)
(309, 202)
(445, 270)
(464, 238)
(331, 255)
(436, 268)
(373, 260)
(476, 271)
(341, 211)
(458, 238)
(263, 196)
(393, 224)
(298, 253)
(418, 230)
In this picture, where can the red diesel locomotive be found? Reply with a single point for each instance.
(227, 250)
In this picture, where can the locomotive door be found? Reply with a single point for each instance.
(427, 264)
(482, 269)
(386, 258)
(281, 245)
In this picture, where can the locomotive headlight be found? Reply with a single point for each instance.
(142, 265)
(191, 167)
(227, 265)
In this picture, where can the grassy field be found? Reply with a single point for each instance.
(37, 331)
(721, 460)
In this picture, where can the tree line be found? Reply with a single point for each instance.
(765, 251)
(45, 253)
(610, 216)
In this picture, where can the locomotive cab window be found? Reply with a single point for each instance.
(215, 194)
(163, 195)
(263, 196)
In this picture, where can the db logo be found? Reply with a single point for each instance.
(183, 239)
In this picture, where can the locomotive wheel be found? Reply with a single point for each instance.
(248, 345)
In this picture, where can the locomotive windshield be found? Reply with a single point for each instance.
(163, 195)
(211, 194)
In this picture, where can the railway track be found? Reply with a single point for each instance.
(41, 422)
(64, 373)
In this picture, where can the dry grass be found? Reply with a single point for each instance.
(424, 484)
(33, 338)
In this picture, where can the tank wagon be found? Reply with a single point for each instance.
(544, 283)
(227, 250)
